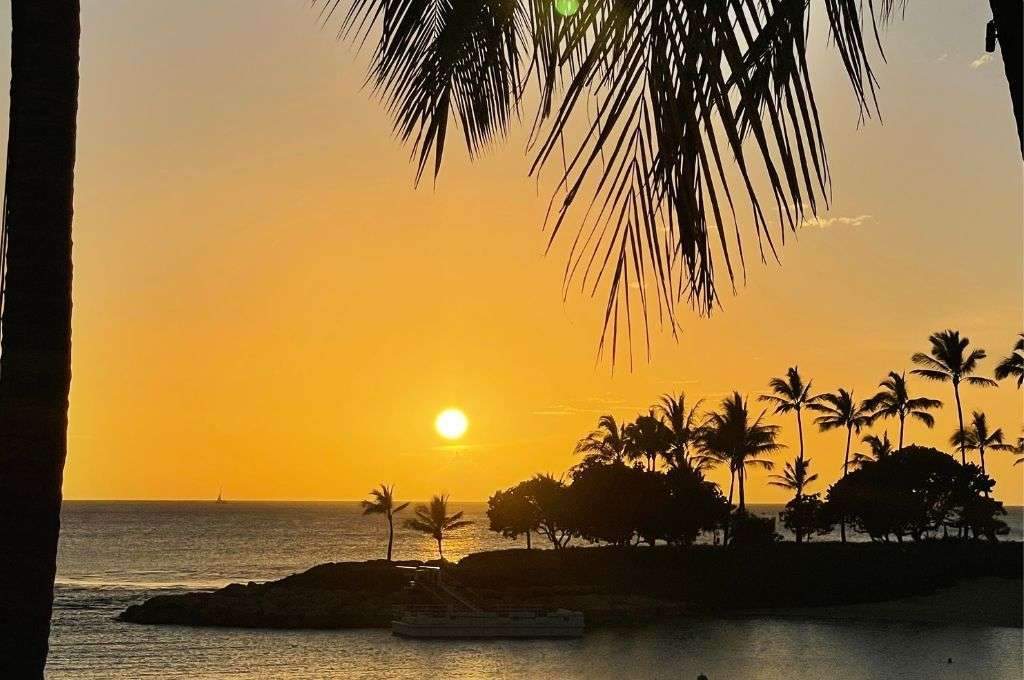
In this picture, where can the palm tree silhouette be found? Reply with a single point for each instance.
(951, 362)
(433, 519)
(383, 503)
(794, 477)
(880, 448)
(685, 427)
(35, 329)
(977, 437)
(732, 438)
(791, 394)
(840, 409)
(1013, 365)
(893, 401)
(606, 444)
(648, 438)
(671, 98)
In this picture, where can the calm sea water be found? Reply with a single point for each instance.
(113, 554)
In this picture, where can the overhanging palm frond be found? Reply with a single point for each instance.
(694, 114)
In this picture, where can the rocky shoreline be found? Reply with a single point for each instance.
(621, 586)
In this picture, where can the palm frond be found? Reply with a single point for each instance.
(696, 115)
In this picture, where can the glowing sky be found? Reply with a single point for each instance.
(263, 301)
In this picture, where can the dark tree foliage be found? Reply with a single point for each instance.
(806, 515)
(747, 529)
(914, 492)
(613, 503)
(538, 504)
(512, 514)
(691, 505)
(619, 504)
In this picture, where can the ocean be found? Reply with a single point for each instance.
(113, 554)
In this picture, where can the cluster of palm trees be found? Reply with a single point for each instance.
(733, 435)
(430, 518)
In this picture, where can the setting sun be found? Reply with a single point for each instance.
(451, 423)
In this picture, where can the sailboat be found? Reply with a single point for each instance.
(220, 496)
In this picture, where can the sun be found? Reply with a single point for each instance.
(451, 423)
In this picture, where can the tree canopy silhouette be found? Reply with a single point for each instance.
(688, 113)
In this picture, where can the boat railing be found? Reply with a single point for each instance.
(450, 611)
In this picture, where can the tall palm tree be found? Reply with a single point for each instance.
(606, 444)
(791, 394)
(383, 503)
(978, 437)
(949, 361)
(732, 437)
(35, 327)
(1013, 365)
(840, 409)
(672, 97)
(433, 519)
(893, 401)
(648, 438)
(685, 427)
(880, 447)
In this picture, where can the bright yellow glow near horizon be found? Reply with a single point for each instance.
(451, 423)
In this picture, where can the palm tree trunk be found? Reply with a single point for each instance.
(846, 470)
(391, 535)
(1008, 18)
(528, 546)
(800, 430)
(35, 356)
(960, 419)
(902, 419)
(440, 552)
(741, 473)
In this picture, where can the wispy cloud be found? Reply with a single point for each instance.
(985, 58)
(943, 57)
(841, 221)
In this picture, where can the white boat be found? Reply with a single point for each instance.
(457, 615)
(432, 621)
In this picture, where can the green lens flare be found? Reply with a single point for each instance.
(567, 7)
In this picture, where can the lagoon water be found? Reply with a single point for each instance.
(113, 554)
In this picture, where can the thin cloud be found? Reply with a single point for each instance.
(985, 58)
(843, 221)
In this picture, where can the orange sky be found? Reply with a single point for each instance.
(264, 301)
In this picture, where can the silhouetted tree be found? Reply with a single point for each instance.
(690, 505)
(795, 478)
(733, 438)
(613, 503)
(951, 362)
(648, 438)
(683, 95)
(978, 437)
(35, 350)
(606, 444)
(685, 426)
(550, 497)
(1013, 365)
(383, 503)
(879, 447)
(914, 491)
(839, 409)
(433, 519)
(893, 401)
(512, 513)
(790, 395)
